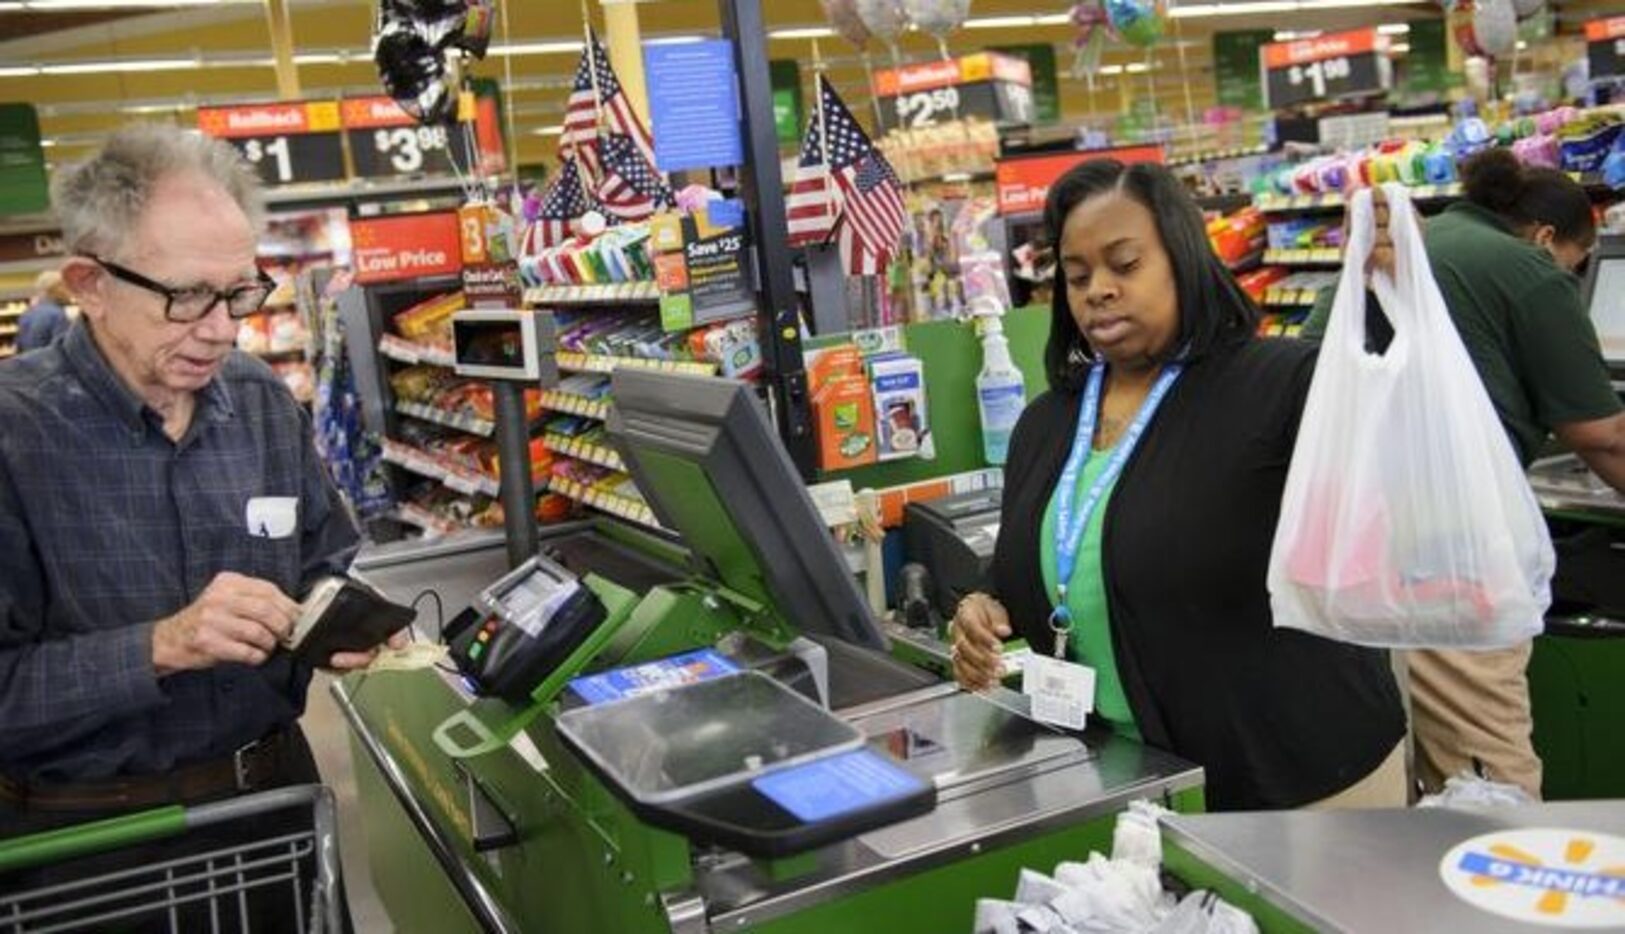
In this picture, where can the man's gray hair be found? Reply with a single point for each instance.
(99, 201)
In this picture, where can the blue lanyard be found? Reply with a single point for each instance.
(1069, 527)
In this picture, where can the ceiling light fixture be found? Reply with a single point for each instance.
(810, 32)
(1199, 10)
(107, 67)
(538, 48)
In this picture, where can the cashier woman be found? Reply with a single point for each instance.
(1141, 498)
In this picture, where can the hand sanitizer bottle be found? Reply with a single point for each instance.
(1001, 392)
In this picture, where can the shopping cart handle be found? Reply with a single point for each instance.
(53, 846)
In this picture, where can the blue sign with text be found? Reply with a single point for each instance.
(694, 100)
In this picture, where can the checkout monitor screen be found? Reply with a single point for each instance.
(703, 454)
(1608, 308)
(491, 343)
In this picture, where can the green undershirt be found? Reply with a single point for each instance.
(1090, 641)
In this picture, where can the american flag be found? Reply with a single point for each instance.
(597, 106)
(813, 206)
(630, 189)
(565, 201)
(871, 210)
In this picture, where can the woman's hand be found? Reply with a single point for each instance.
(978, 631)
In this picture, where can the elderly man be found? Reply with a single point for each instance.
(162, 507)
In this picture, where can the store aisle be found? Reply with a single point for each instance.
(325, 728)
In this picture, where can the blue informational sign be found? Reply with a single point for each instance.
(694, 100)
(677, 671)
(838, 785)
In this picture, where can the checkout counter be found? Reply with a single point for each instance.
(731, 748)
(1577, 672)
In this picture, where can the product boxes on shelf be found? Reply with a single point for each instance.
(843, 408)
(900, 408)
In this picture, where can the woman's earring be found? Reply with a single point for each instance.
(1077, 357)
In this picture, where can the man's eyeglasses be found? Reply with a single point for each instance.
(184, 306)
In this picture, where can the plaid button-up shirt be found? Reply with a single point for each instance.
(106, 526)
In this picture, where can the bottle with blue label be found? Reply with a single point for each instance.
(1001, 391)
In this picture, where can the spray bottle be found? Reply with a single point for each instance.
(1001, 391)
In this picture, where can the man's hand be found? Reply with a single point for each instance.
(235, 619)
(351, 661)
(1382, 247)
(979, 629)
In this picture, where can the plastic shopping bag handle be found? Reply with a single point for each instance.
(1347, 329)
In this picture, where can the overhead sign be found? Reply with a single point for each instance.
(1236, 72)
(29, 247)
(406, 246)
(1343, 64)
(385, 141)
(287, 143)
(1546, 877)
(23, 187)
(1605, 46)
(987, 85)
(785, 75)
(1024, 181)
(1040, 57)
(694, 99)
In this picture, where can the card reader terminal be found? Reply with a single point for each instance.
(521, 627)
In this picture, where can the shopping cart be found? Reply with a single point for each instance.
(295, 875)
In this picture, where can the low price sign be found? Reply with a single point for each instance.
(986, 85)
(1023, 182)
(406, 246)
(1344, 64)
(287, 143)
(1605, 46)
(386, 142)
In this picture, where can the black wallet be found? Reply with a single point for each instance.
(344, 615)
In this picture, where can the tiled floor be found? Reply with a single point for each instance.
(325, 728)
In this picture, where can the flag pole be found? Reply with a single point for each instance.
(832, 195)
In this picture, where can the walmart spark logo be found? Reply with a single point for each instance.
(1559, 878)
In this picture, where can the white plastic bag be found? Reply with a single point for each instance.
(1407, 520)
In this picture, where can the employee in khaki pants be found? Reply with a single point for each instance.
(1504, 260)
(162, 507)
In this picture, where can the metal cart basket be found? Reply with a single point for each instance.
(226, 888)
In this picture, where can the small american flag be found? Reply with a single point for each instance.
(564, 202)
(630, 189)
(871, 211)
(814, 205)
(596, 108)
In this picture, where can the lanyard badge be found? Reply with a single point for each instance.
(1069, 524)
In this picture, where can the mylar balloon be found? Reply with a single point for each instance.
(414, 72)
(1528, 8)
(1495, 27)
(937, 17)
(1089, 40)
(843, 15)
(884, 19)
(1137, 22)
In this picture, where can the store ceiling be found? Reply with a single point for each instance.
(158, 65)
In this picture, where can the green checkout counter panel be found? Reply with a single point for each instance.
(796, 778)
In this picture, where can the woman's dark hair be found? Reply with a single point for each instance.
(1213, 310)
(1496, 181)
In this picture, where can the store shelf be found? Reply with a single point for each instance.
(457, 421)
(402, 350)
(1224, 204)
(9, 331)
(585, 451)
(570, 404)
(427, 521)
(455, 477)
(1336, 201)
(595, 363)
(608, 294)
(1290, 298)
(1323, 256)
(625, 507)
(1218, 155)
(1246, 263)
